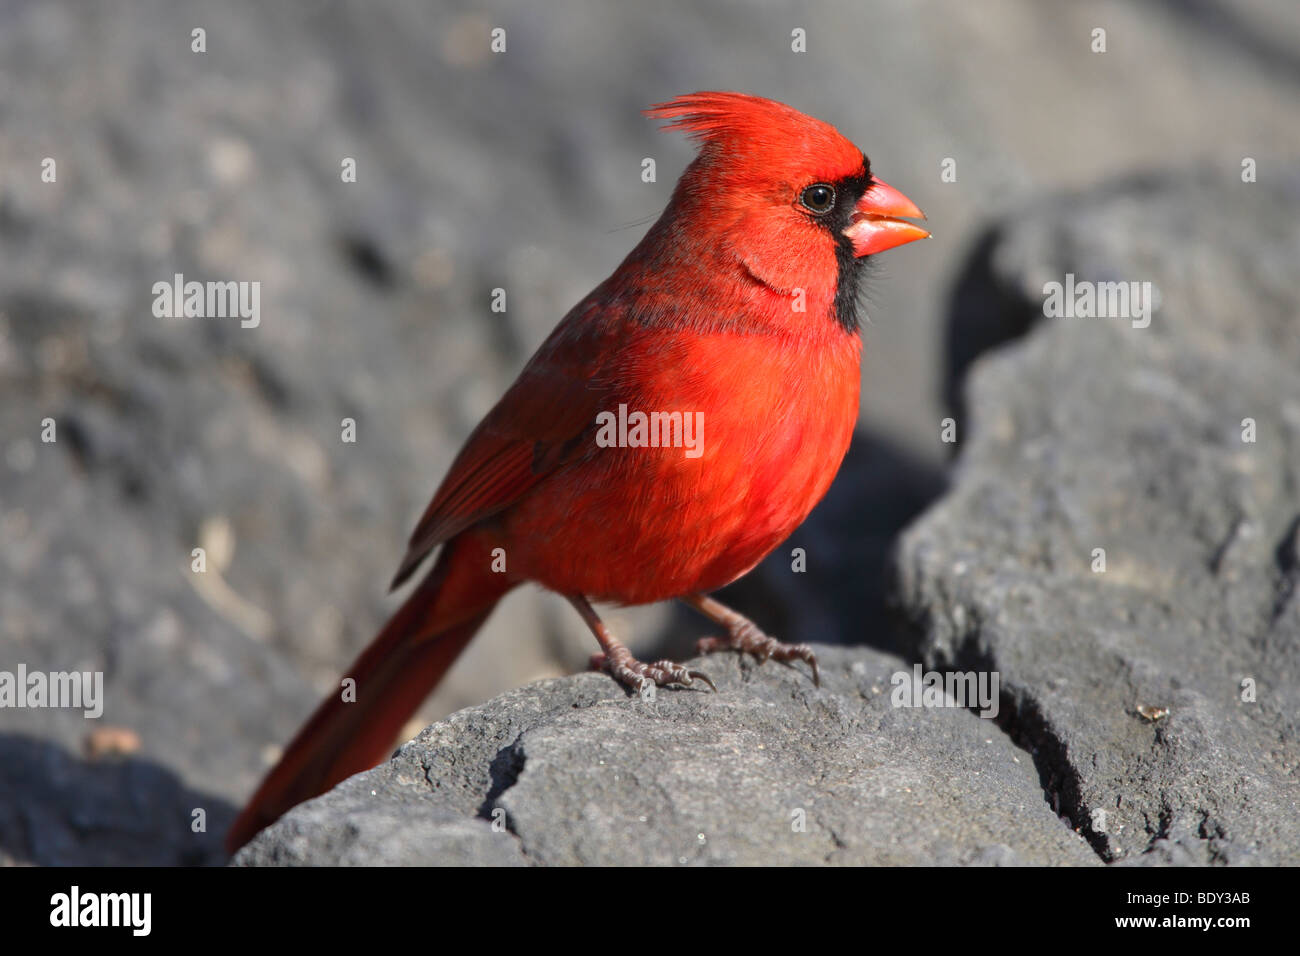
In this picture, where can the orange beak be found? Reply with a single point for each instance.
(876, 227)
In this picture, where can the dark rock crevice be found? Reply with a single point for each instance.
(504, 771)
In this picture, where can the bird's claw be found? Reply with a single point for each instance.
(700, 675)
(632, 673)
(748, 639)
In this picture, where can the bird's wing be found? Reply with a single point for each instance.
(538, 425)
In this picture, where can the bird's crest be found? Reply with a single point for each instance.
(762, 131)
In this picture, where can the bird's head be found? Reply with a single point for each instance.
(786, 194)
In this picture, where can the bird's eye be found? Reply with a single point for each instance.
(818, 198)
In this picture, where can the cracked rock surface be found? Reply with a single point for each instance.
(1092, 434)
(769, 770)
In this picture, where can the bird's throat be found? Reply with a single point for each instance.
(848, 286)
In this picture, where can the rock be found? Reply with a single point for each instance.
(102, 812)
(770, 770)
(1092, 435)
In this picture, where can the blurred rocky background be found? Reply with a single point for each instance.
(522, 170)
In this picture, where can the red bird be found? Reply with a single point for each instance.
(732, 328)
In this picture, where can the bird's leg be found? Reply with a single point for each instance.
(743, 635)
(618, 661)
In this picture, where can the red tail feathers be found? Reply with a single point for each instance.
(393, 676)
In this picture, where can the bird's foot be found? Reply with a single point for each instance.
(632, 673)
(616, 660)
(744, 635)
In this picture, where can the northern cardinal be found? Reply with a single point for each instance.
(733, 328)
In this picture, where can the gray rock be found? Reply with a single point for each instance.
(1094, 434)
(385, 825)
(771, 770)
(82, 812)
